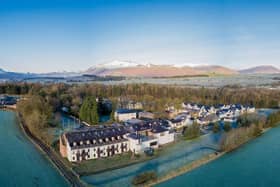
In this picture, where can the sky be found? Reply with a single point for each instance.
(73, 35)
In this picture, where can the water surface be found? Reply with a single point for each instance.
(255, 164)
(21, 163)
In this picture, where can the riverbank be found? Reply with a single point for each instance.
(186, 168)
(253, 164)
(68, 173)
(198, 163)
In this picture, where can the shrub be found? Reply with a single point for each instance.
(227, 127)
(144, 178)
(192, 132)
(216, 128)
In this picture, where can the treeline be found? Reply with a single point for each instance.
(154, 97)
(249, 127)
(15, 88)
(37, 115)
(238, 136)
(191, 132)
(273, 119)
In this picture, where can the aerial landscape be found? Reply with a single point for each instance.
(111, 93)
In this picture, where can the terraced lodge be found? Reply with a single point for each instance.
(135, 136)
(93, 143)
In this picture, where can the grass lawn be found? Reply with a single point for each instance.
(109, 163)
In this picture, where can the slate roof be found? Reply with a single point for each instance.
(155, 125)
(91, 133)
(127, 111)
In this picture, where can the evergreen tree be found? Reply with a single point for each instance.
(89, 111)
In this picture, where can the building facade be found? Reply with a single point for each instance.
(92, 143)
(125, 114)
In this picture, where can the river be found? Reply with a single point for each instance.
(21, 163)
(254, 164)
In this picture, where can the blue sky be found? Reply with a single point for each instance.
(71, 35)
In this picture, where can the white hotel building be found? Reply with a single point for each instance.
(93, 143)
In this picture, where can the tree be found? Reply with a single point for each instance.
(112, 114)
(37, 115)
(227, 127)
(216, 128)
(192, 131)
(89, 111)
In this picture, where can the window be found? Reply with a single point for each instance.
(153, 143)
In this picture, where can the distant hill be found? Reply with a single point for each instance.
(59, 74)
(216, 70)
(261, 70)
(132, 69)
(13, 75)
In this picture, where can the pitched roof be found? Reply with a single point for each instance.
(93, 133)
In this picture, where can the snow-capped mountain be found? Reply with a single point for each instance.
(180, 65)
(2, 71)
(130, 69)
(117, 64)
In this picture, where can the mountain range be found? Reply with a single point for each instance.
(133, 69)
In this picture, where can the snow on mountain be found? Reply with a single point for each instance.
(188, 65)
(2, 71)
(117, 64)
(128, 64)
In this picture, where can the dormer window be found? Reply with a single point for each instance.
(88, 142)
(119, 137)
(94, 141)
(74, 143)
(107, 139)
(81, 142)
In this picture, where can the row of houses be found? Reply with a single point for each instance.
(211, 114)
(135, 136)
(191, 112)
(213, 109)
(127, 115)
(8, 100)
